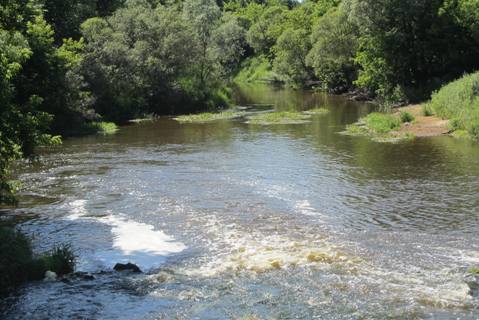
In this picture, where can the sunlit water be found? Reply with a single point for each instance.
(237, 221)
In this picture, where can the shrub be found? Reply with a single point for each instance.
(459, 101)
(15, 258)
(381, 122)
(18, 265)
(406, 117)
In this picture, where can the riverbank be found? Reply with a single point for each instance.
(423, 125)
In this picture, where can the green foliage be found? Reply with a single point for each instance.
(290, 52)
(413, 45)
(335, 43)
(18, 265)
(256, 69)
(161, 60)
(264, 32)
(459, 101)
(406, 117)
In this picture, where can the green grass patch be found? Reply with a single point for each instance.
(279, 117)
(318, 111)
(474, 271)
(459, 101)
(406, 117)
(208, 117)
(18, 264)
(382, 122)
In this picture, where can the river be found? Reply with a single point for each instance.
(238, 221)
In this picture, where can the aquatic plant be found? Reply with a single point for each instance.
(208, 116)
(279, 117)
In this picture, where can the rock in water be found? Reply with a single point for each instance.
(127, 267)
(50, 276)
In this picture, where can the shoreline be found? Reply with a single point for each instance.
(422, 126)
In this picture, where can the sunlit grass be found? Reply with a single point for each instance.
(208, 117)
(459, 102)
(382, 122)
(279, 117)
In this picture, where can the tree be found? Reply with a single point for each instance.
(290, 53)
(411, 44)
(335, 43)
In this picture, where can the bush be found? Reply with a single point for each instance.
(406, 117)
(18, 265)
(15, 258)
(459, 101)
(381, 122)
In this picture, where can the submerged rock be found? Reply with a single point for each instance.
(127, 267)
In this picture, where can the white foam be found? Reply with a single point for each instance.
(132, 241)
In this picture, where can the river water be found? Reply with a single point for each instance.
(237, 221)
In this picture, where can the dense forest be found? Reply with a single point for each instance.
(67, 65)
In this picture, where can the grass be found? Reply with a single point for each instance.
(379, 127)
(381, 122)
(318, 111)
(459, 101)
(18, 264)
(279, 117)
(208, 117)
(406, 117)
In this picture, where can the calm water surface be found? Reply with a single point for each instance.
(237, 221)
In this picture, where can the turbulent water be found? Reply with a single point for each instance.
(236, 221)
